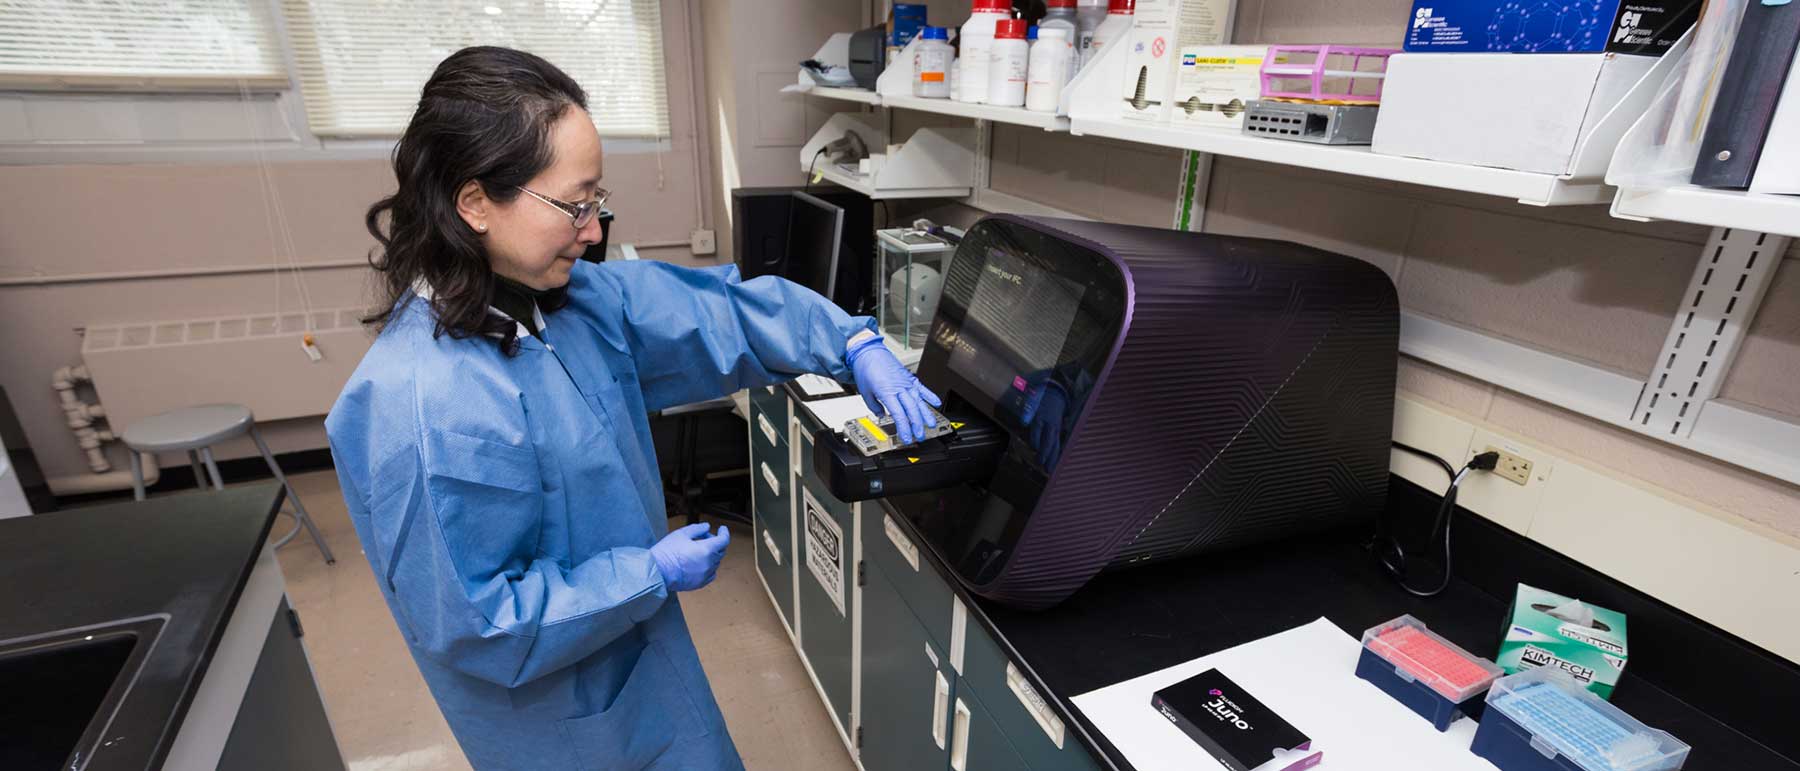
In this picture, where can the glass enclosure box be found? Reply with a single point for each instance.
(909, 281)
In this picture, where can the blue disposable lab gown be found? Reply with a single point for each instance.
(507, 504)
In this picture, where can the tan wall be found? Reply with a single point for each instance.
(753, 50)
(1572, 280)
(68, 218)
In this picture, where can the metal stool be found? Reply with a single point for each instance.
(196, 430)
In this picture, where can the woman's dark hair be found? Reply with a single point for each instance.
(484, 115)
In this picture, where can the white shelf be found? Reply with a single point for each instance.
(1015, 115)
(1527, 187)
(858, 95)
(1738, 210)
(861, 184)
(935, 162)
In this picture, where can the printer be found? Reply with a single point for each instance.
(1125, 395)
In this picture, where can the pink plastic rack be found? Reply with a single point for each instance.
(1331, 74)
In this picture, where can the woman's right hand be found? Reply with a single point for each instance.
(689, 557)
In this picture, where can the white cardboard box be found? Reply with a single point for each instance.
(1778, 170)
(1509, 111)
(1159, 31)
(1214, 84)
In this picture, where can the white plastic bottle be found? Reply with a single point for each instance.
(1059, 14)
(1088, 16)
(1118, 22)
(1008, 61)
(977, 40)
(1052, 64)
(932, 58)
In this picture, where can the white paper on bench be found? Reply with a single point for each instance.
(1308, 676)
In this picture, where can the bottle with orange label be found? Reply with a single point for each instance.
(931, 64)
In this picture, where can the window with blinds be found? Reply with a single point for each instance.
(362, 63)
(141, 45)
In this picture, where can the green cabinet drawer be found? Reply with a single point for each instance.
(1020, 711)
(926, 591)
(906, 685)
(976, 741)
(772, 502)
(768, 420)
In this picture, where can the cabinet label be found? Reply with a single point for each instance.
(1034, 704)
(900, 541)
(825, 550)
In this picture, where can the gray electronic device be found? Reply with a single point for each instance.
(1325, 124)
(871, 436)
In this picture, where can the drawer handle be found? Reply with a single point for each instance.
(775, 553)
(769, 477)
(940, 706)
(959, 742)
(768, 429)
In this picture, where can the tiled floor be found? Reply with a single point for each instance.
(386, 721)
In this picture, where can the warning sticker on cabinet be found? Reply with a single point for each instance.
(825, 550)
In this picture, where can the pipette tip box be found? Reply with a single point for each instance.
(1543, 720)
(1425, 672)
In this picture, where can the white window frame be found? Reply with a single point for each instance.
(281, 112)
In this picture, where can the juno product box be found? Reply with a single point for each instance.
(1232, 726)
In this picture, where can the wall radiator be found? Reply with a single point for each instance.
(141, 369)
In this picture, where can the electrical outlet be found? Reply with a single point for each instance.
(1513, 468)
(702, 242)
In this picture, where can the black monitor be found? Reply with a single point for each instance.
(815, 228)
(759, 235)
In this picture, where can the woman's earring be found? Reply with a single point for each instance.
(481, 228)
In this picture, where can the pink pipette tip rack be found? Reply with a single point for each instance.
(1425, 672)
(1325, 73)
(1449, 670)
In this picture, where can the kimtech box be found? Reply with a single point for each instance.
(1528, 26)
(1550, 630)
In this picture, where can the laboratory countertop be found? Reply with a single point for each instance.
(184, 555)
(1133, 622)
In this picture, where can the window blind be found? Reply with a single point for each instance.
(150, 44)
(362, 63)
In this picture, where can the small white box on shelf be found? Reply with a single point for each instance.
(1778, 170)
(1159, 32)
(1215, 85)
(1529, 113)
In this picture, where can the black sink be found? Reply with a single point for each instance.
(60, 691)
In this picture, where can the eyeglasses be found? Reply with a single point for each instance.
(580, 214)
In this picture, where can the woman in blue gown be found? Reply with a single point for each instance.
(493, 445)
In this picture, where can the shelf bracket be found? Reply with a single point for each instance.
(1728, 284)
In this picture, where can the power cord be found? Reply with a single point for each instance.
(809, 170)
(1393, 555)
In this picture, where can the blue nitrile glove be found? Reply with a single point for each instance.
(1046, 424)
(889, 389)
(688, 557)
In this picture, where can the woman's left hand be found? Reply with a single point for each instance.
(889, 389)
